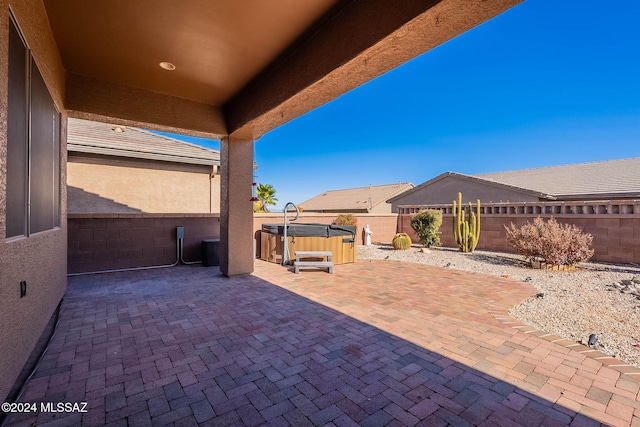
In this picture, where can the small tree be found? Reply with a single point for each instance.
(266, 196)
(426, 224)
(553, 243)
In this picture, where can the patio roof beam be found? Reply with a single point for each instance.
(357, 41)
(99, 100)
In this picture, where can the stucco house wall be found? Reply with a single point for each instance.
(382, 208)
(103, 184)
(445, 190)
(40, 259)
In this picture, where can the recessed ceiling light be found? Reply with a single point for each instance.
(167, 66)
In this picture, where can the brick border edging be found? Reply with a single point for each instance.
(619, 365)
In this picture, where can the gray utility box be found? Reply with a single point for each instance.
(211, 252)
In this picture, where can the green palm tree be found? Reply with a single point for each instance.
(265, 193)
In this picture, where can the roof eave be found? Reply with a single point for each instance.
(140, 155)
(600, 196)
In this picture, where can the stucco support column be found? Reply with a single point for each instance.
(236, 208)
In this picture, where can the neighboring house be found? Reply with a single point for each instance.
(371, 199)
(121, 169)
(606, 180)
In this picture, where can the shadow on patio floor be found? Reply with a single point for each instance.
(186, 346)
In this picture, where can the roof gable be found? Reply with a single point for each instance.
(471, 178)
(611, 178)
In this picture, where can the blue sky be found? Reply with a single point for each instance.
(548, 82)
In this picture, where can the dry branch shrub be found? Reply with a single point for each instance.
(553, 243)
(345, 219)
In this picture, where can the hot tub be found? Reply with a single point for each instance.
(339, 239)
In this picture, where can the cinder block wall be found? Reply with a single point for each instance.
(616, 236)
(99, 242)
(108, 242)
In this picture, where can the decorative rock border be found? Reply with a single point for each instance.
(628, 286)
(541, 265)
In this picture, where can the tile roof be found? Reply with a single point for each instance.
(355, 198)
(85, 136)
(604, 179)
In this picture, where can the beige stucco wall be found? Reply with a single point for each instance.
(127, 186)
(381, 208)
(41, 259)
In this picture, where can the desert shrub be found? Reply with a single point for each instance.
(346, 219)
(426, 224)
(401, 241)
(553, 243)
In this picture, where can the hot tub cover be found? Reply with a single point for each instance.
(310, 230)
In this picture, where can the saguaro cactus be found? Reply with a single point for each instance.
(466, 231)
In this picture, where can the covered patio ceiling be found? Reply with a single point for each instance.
(242, 67)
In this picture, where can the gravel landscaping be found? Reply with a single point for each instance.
(595, 298)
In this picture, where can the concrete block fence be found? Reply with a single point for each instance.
(100, 242)
(614, 225)
(114, 241)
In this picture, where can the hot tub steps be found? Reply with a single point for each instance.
(315, 254)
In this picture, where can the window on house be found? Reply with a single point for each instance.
(33, 146)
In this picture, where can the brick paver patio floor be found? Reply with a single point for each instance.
(374, 344)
